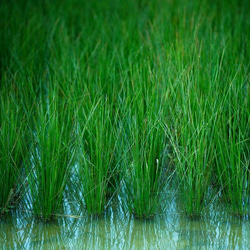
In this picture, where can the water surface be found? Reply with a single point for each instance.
(117, 230)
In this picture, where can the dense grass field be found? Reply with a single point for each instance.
(119, 100)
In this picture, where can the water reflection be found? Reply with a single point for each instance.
(117, 230)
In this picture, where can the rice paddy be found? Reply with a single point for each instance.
(117, 101)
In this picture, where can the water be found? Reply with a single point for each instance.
(117, 230)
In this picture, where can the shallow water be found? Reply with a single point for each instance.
(117, 230)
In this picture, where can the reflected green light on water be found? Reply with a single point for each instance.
(117, 230)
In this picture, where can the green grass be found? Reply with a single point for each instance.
(98, 160)
(13, 149)
(52, 155)
(191, 137)
(144, 170)
(144, 143)
(232, 147)
(102, 90)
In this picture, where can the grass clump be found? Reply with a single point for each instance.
(98, 155)
(191, 136)
(144, 169)
(13, 148)
(232, 148)
(52, 156)
(144, 143)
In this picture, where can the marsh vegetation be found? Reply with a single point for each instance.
(120, 99)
